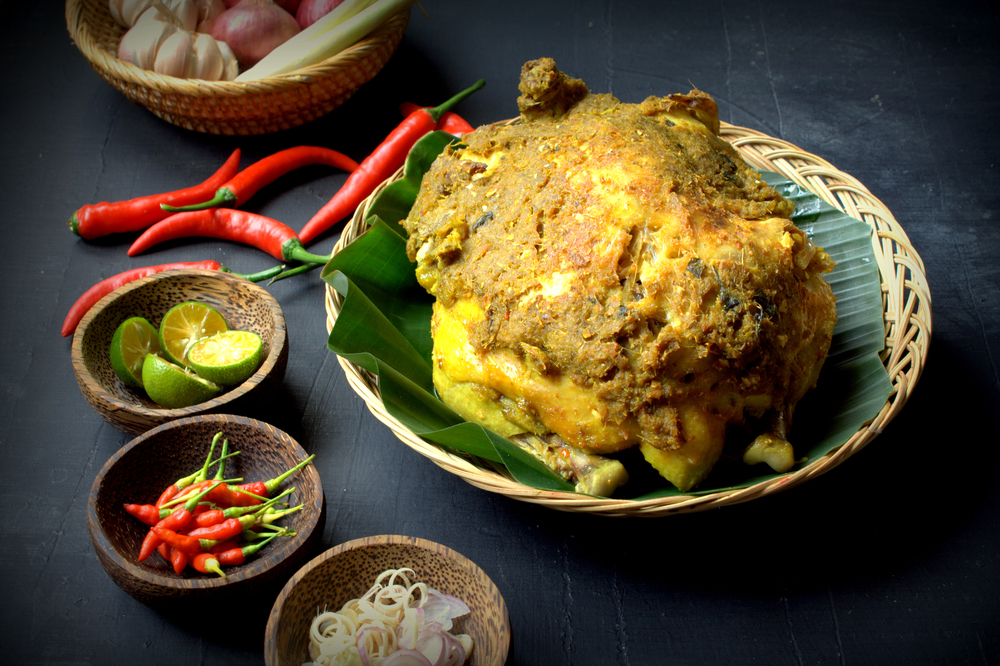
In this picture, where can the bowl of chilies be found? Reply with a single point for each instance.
(211, 507)
(245, 306)
(389, 596)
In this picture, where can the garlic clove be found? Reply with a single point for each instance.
(131, 10)
(207, 62)
(186, 11)
(231, 66)
(141, 43)
(174, 56)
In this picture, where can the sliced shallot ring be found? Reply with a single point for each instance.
(406, 657)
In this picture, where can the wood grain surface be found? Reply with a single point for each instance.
(890, 558)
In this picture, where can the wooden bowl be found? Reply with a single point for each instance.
(245, 306)
(140, 471)
(347, 571)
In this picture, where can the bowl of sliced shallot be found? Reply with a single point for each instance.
(392, 600)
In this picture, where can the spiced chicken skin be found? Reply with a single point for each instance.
(612, 275)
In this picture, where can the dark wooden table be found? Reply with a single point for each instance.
(890, 558)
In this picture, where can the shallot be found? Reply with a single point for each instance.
(288, 5)
(254, 28)
(311, 11)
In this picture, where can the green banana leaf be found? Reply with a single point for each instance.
(384, 327)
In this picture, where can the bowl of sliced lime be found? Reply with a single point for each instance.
(180, 343)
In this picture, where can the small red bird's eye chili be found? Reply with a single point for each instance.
(382, 163)
(96, 220)
(227, 529)
(234, 496)
(108, 285)
(188, 544)
(207, 563)
(179, 559)
(146, 513)
(246, 183)
(265, 488)
(264, 233)
(235, 556)
(450, 122)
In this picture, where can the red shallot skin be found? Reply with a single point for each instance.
(254, 28)
(311, 11)
(289, 6)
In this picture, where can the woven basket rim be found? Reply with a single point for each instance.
(108, 63)
(906, 316)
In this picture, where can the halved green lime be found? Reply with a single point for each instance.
(185, 324)
(171, 386)
(133, 339)
(227, 358)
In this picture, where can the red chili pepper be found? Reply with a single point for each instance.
(382, 163)
(227, 529)
(265, 488)
(246, 183)
(188, 544)
(207, 563)
(450, 122)
(239, 555)
(146, 513)
(233, 496)
(106, 286)
(179, 559)
(264, 233)
(96, 220)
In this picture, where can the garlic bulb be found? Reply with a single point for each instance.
(159, 42)
(128, 12)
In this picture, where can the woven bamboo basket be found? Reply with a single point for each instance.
(906, 304)
(226, 107)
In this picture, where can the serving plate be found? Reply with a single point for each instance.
(906, 322)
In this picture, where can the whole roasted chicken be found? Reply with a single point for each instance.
(609, 275)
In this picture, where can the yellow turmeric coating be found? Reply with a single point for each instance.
(617, 275)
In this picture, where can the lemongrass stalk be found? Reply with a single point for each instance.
(330, 35)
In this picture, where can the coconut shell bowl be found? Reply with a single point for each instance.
(245, 306)
(143, 468)
(347, 572)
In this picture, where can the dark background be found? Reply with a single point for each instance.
(891, 558)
